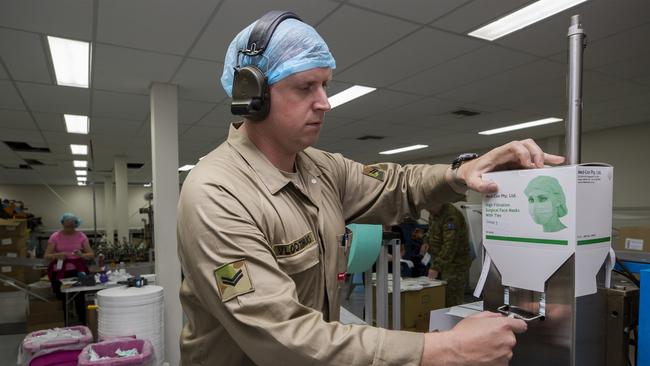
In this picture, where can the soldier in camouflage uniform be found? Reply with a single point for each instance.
(449, 248)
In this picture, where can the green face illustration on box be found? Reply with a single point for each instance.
(546, 203)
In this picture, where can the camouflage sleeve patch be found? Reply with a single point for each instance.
(377, 171)
(233, 279)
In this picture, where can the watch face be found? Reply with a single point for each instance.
(462, 158)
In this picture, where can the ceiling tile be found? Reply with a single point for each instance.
(54, 98)
(624, 46)
(23, 55)
(416, 52)
(190, 112)
(50, 121)
(129, 70)
(203, 133)
(522, 79)
(9, 98)
(349, 42)
(219, 117)
(598, 87)
(231, 19)
(600, 19)
(372, 104)
(16, 120)
(200, 80)
(170, 25)
(31, 136)
(477, 13)
(415, 10)
(63, 18)
(465, 69)
(120, 105)
(114, 127)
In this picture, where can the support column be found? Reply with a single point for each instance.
(164, 158)
(121, 198)
(109, 209)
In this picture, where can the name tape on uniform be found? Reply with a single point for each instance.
(233, 279)
(295, 247)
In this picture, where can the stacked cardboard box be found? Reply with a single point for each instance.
(13, 243)
(44, 315)
(419, 296)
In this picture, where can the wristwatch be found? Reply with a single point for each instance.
(455, 181)
(461, 159)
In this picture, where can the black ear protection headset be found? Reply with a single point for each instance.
(250, 88)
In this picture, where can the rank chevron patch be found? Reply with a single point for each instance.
(233, 279)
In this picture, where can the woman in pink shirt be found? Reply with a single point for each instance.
(67, 250)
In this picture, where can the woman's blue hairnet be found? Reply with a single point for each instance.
(294, 47)
(551, 186)
(70, 216)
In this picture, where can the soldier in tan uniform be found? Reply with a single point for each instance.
(259, 219)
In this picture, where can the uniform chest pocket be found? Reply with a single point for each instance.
(298, 255)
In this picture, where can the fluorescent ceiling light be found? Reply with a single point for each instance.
(81, 183)
(81, 172)
(185, 168)
(71, 60)
(522, 18)
(519, 126)
(79, 149)
(147, 184)
(76, 124)
(349, 94)
(82, 179)
(80, 163)
(403, 149)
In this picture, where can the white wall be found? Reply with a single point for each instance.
(49, 202)
(627, 149)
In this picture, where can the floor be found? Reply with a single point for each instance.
(9, 348)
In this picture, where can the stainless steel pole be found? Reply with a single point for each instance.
(574, 114)
(397, 286)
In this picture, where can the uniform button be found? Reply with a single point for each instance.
(313, 180)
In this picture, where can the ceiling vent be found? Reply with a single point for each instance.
(134, 165)
(25, 147)
(465, 113)
(33, 162)
(20, 166)
(370, 137)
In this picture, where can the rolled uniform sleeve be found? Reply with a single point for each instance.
(269, 323)
(386, 192)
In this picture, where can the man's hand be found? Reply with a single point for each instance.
(514, 155)
(433, 274)
(482, 339)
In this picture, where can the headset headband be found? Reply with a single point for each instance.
(263, 30)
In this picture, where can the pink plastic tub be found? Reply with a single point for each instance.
(37, 349)
(108, 348)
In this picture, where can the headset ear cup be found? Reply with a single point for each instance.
(250, 94)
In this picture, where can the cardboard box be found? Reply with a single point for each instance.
(13, 228)
(13, 243)
(635, 238)
(42, 288)
(415, 306)
(13, 252)
(539, 218)
(43, 326)
(37, 306)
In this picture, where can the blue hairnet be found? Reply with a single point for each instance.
(294, 47)
(70, 216)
